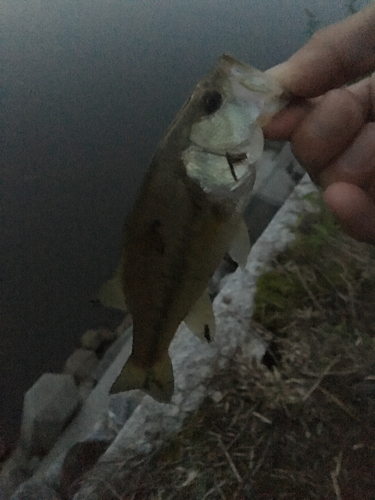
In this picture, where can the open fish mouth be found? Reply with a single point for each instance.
(219, 174)
(222, 172)
(232, 160)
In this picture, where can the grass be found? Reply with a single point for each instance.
(301, 425)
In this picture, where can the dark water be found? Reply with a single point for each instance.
(87, 88)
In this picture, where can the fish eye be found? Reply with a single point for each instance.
(212, 101)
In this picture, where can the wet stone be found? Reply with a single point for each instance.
(32, 490)
(48, 406)
(81, 364)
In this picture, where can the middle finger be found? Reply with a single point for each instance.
(327, 130)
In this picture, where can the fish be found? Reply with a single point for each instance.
(188, 215)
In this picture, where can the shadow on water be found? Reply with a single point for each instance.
(87, 89)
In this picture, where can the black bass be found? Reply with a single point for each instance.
(188, 215)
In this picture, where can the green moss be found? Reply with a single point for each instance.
(313, 230)
(276, 293)
(323, 271)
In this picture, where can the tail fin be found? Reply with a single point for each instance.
(157, 380)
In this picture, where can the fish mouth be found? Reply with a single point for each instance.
(232, 160)
(220, 174)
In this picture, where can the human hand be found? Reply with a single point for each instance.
(332, 132)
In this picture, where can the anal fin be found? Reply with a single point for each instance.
(200, 319)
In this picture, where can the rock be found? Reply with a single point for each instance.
(99, 340)
(32, 490)
(81, 364)
(91, 412)
(110, 355)
(91, 340)
(148, 427)
(85, 388)
(14, 473)
(48, 405)
(96, 340)
(120, 409)
(17, 469)
(79, 459)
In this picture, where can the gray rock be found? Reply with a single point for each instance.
(85, 388)
(48, 405)
(111, 354)
(96, 339)
(91, 340)
(120, 408)
(81, 365)
(32, 490)
(16, 470)
(91, 412)
(12, 475)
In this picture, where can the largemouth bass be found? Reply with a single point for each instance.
(188, 215)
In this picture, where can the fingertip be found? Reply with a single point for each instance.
(282, 74)
(305, 73)
(333, 56)
(354, 208)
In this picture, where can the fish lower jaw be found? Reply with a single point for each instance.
(218, 174)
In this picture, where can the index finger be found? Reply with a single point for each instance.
(332, 57)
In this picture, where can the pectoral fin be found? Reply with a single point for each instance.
(157, 381)
(201, 320)
(240, 245)
(111, 293)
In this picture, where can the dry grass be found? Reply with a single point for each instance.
(303, 428)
